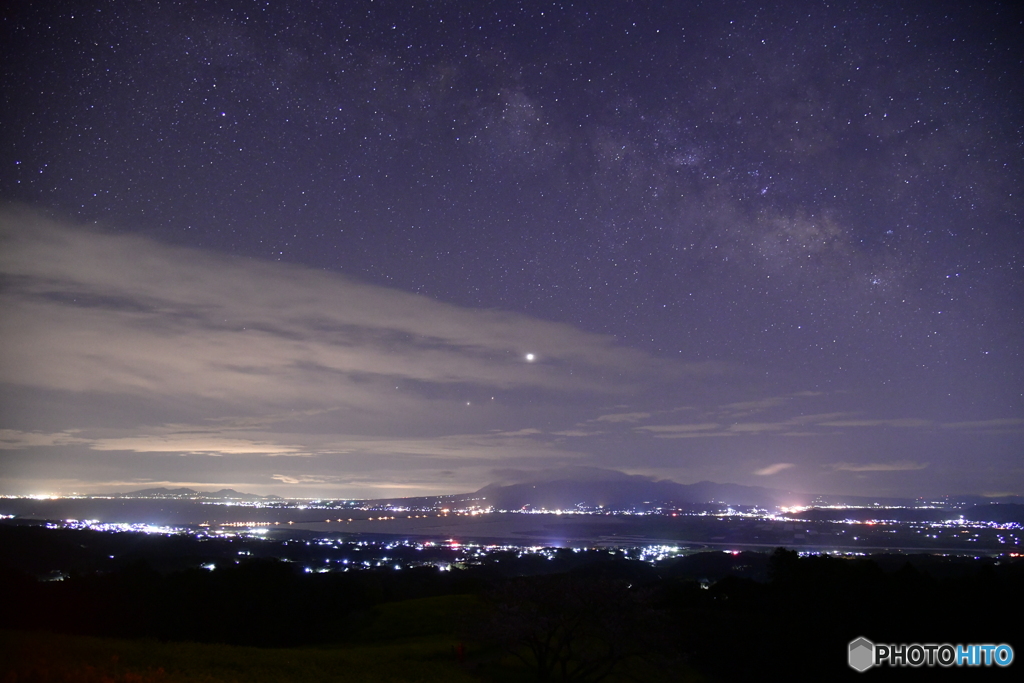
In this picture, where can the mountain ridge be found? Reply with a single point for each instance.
(595, 488)
(183, 492)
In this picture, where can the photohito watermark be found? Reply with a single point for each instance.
(863, 654)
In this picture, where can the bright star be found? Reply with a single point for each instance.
(530, 357)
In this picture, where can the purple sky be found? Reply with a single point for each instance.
(380, 248)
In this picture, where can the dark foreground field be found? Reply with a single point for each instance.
(587, 616)
(420, 640)
(417, 646)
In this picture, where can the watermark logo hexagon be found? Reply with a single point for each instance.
(862, 654)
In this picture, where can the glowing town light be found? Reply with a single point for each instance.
(530, 358)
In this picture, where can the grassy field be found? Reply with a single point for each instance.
(409, 641)
(413, 641)
(38, 657)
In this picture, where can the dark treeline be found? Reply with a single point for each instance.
(577, 616)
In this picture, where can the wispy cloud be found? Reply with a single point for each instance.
(814, 424)
(303, 479)
(907, 422)
(997, 424)
(818, 418)
(98, 312)
(898, 466)
(622, 417)
(666, 430)
(246, 359)
(14, 439)
(192, 444)
(757, 427)
(750, 407)
(459, 447)
(773, 469)
(196, 441)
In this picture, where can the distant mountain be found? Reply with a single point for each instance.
(589, 487)
(162, 492)
(633, 493)
(223, 494)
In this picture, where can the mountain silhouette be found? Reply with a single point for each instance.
(592, 487)
(222, 494)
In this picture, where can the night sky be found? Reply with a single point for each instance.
(359, 249)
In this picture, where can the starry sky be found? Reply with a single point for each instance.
(364, 249)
